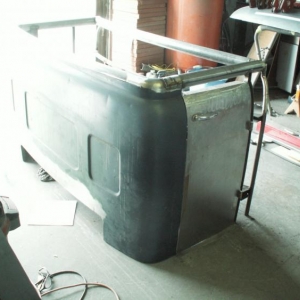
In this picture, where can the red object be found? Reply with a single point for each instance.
(197, 22)
(280, 135)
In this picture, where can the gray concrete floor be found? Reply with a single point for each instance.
(256, 258)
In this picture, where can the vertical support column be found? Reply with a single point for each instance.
(103, 9)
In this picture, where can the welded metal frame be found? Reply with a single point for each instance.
(281, 23)
(233, 66)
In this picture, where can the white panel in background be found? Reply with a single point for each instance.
(287, 59)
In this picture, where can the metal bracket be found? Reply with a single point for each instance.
(244, 193)
(249, 125)
(172, 82)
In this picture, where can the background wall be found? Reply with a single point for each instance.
(233, 26)
(24, 10)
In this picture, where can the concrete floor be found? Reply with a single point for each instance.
(255, 258)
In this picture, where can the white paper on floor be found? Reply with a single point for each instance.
(52, 213)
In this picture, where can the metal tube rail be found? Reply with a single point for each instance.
(266, 101)
(224, 72)
(172, 44)
(174, 82)
(58, 24)
(158, 40)
(234, 64)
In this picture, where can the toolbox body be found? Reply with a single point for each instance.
(161, 164)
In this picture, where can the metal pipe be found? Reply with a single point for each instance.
(230, 71)
(260, 29)
(175, 82)
(172, 44)
(257, 46)
(259, 142)
(236, 65)
(158, 40)
(57, 24)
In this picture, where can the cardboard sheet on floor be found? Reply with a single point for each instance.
(53, 213)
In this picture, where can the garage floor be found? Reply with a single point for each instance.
(256, 258)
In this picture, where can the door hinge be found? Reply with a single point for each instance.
(249, 125)
(244, 193)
